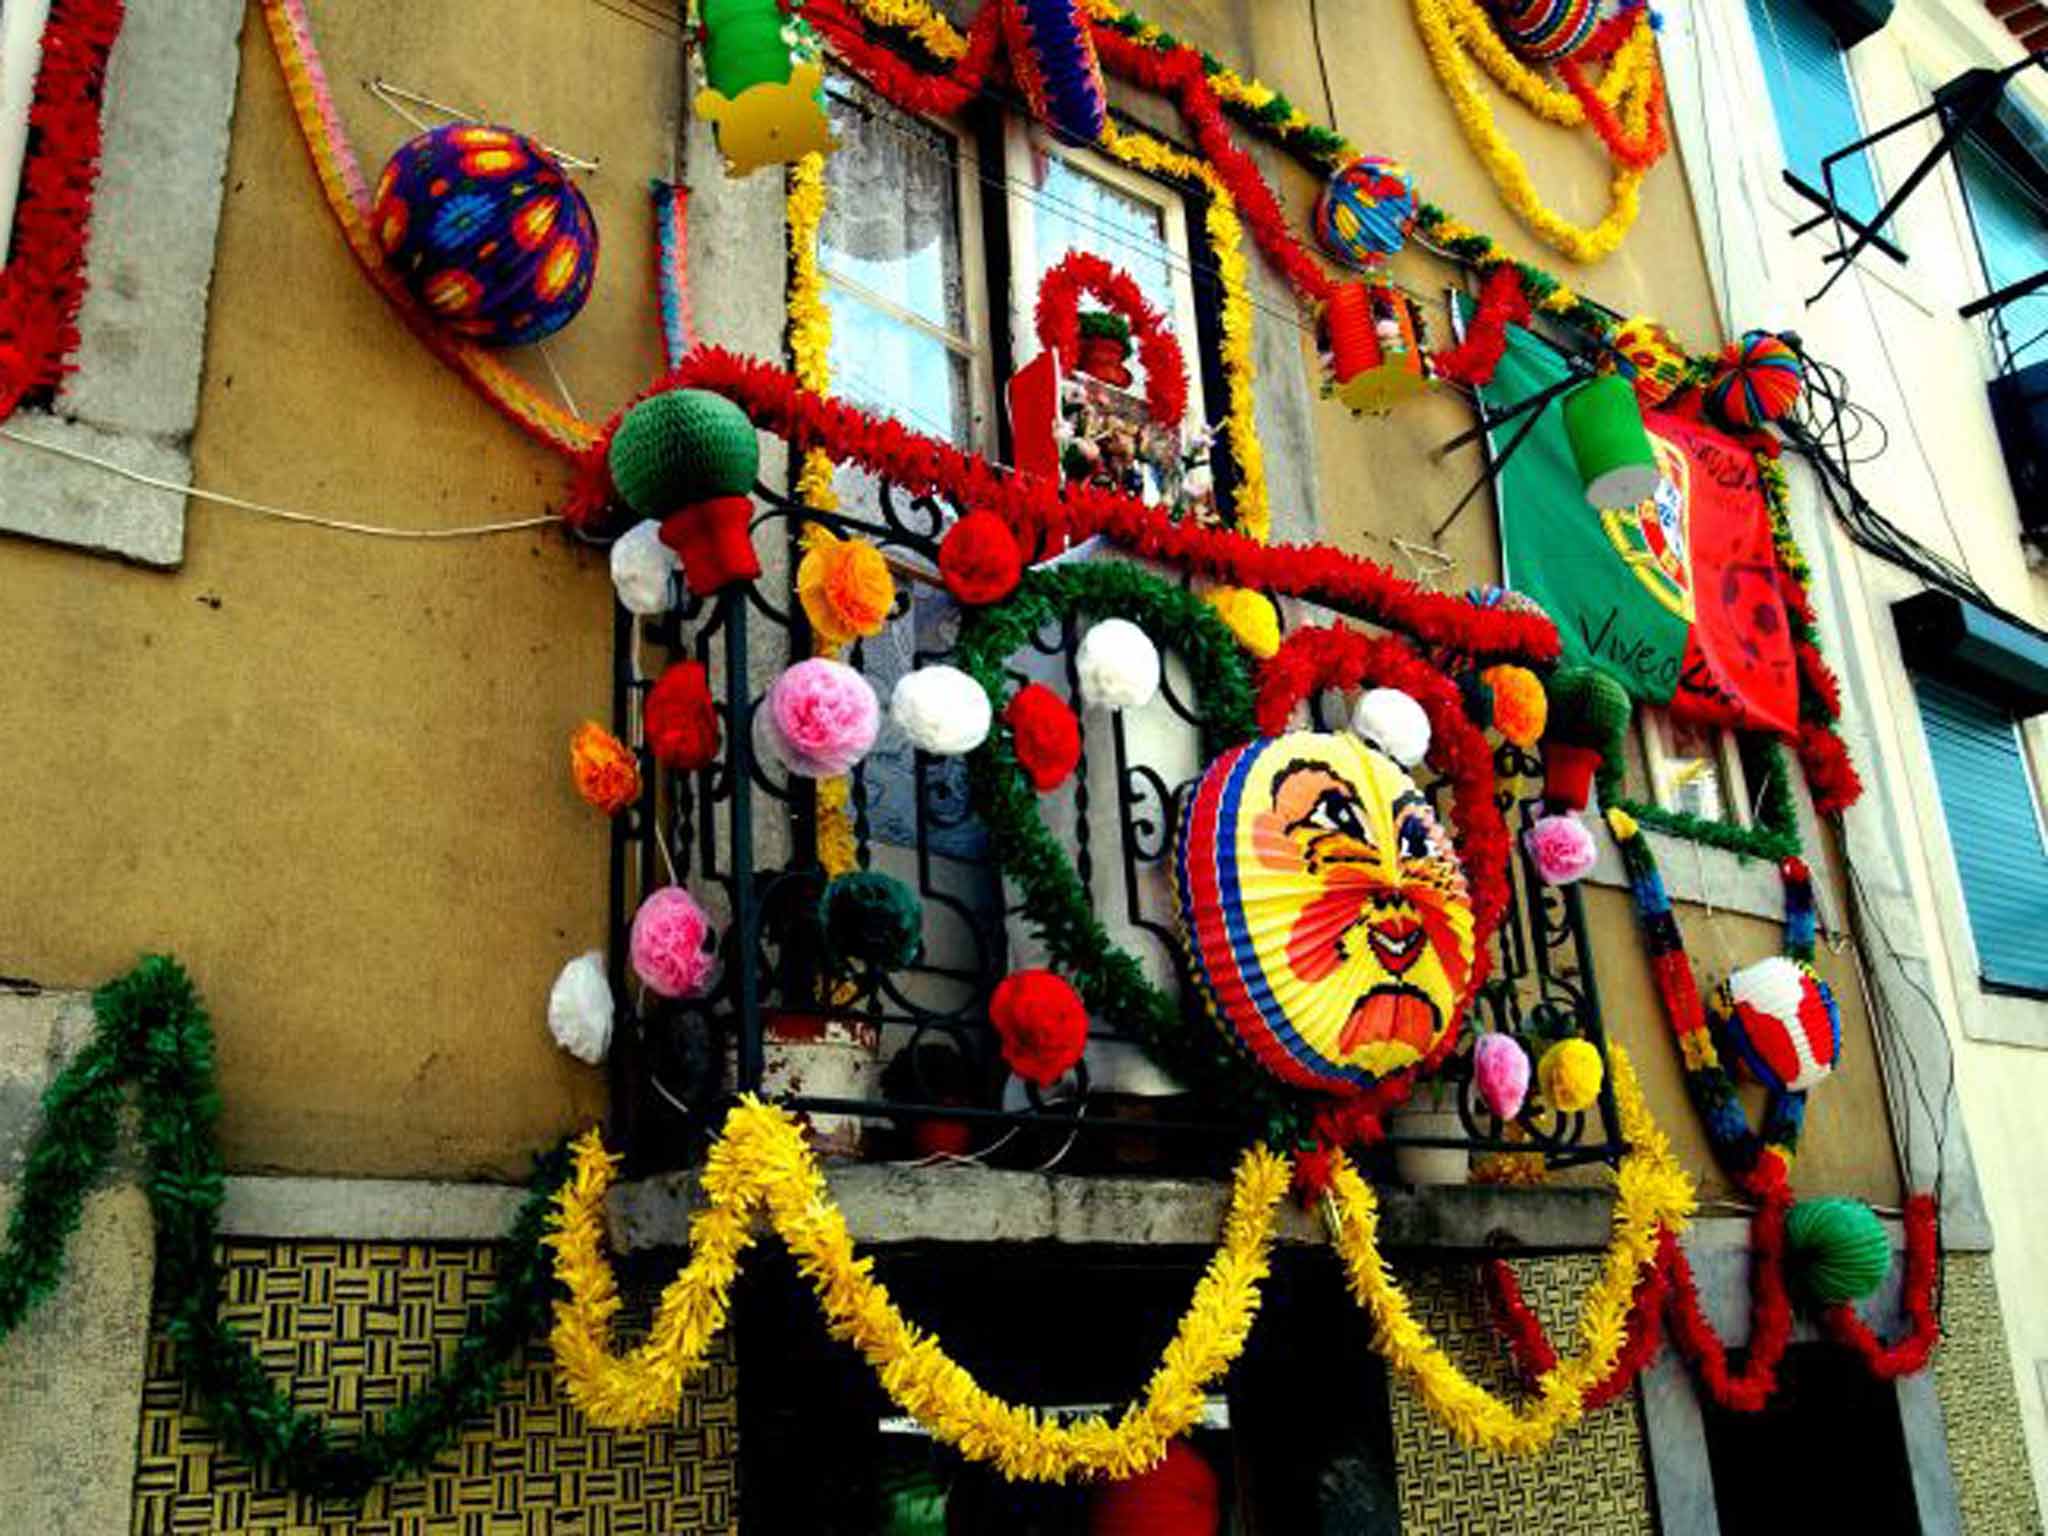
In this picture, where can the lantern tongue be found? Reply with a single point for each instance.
(1604, 422)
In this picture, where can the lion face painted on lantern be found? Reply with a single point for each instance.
(1323, 909)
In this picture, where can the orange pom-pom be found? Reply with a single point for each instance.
(845, 587)
(603, 768)
(1520, 706)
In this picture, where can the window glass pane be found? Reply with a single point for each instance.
(1693, 781)
(892, 208)
(1073, 210)
(1994, 822)
(891, 367)
(2013, 231)
(1810, 97)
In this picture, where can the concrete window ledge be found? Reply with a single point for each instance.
(887, 1206)
(133, 398)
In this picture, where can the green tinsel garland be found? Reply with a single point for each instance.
(152, 1031)
(1111, 981)
(1775, 835)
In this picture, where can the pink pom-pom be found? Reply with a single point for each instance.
(822, 717)
(1562, 848)
(1501, 1069)
(671, 944)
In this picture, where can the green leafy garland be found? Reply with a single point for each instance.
(1110, 980)
(153, 1032)
(1775, 835)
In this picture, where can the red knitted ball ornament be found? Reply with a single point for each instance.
(979, 560)
(1041, 1022)
(1179, 1497)
(1045, 734)
(682, 722)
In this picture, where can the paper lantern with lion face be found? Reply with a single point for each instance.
(1324, 911)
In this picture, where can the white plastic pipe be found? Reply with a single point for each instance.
(21, 55)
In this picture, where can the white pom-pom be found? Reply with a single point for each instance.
(942, 710)
(1393, 722)
(1118, 665)
(643, 570)
(580, 1008)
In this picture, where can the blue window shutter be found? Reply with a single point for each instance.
(1994, 823)
(1810, 97)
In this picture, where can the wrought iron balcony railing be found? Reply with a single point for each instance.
(915, 1046)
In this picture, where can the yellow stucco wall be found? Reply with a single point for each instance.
(328, 771)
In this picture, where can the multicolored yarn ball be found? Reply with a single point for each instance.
(486, 231)
(1571, 1072)
(1365, 211)
(680, 447)
(1500, 1070)
(1757, 380)
(1837, 1249)
(1545, 31)
(1506, 599)
(1782, 1021)
(671, 944)
(1649, 357)
(1053, 57)
(873, 919)
(1042, 1024)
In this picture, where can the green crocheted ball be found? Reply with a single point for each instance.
(1588, 708)
(1836, 1248)
(683, 446)
(872, 918)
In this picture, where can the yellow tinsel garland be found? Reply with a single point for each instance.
(1482, 40)
(810, 349)
(1445, 40)
(1652, 1192)
(761, 1162)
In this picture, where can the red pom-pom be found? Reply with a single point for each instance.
(715, 542)
(1180, 1495)
(1042, 1024)
(682, 722)
(1045, 734)
(979, 560)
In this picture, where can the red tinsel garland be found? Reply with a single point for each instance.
(1890, 1361)
(1667, 1289)
(1829, 773)
(1336, 656)
(1059, 328)
(44, 281)
(1634, 154)
(1502, 303)
(1047, 517)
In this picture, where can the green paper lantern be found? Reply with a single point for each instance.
(1837, 1249)
(1610, 445)
(744, 45)
(681, 447)
(873, 918)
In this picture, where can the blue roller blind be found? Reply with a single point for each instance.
(1994, 821)
(1811, 99)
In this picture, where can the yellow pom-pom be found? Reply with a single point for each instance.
(1250, 616)
(1520, 706)
(845, 586)
(1621, 823)
(1571, 1073)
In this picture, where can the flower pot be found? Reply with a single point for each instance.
(1430, 1165)
(820, 1056)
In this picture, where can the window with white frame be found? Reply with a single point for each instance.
(1813, 102)
(1694, 769)
(1062, 198)
(21, 55)
(900, 248)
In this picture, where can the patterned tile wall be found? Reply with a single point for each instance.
(1593, 1480)
(1980, 1405)
(351, 1326)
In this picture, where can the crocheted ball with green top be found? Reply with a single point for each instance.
(1836, 1248)
(683, 446)
(1588, 708)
